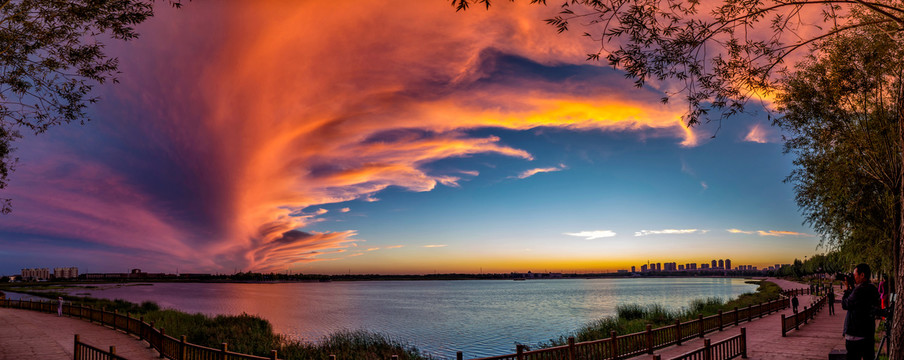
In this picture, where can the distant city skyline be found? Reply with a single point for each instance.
(264, 136)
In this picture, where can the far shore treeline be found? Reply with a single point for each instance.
(829, 263)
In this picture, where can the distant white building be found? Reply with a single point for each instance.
(65, 273)
(35, 274)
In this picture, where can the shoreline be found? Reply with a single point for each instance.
(358, 278)
(125, 288)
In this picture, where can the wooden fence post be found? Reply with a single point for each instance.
(749, 313)
(112, 350)
(796, 321)
(223, 350)
(744, 343)
(162, 338)
(115, 312)
(520, 352)
(459, 356)
(570, 349)
(783, 325)
(678, 331)
(273, 355)
(806, 315)
(760, 310)
(700, 323)
(75, 350)
(613, 344)
(649, 339)
(182, 349)
(707, 350)
(736, 314)
(720, 320)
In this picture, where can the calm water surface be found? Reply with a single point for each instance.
(478, 317)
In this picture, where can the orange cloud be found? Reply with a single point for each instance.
(276, 107)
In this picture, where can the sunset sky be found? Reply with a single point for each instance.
(389, 137)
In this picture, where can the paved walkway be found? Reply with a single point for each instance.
(764, 336)
(27, 334)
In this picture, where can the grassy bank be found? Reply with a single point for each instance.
(631, 318)
(245, 333)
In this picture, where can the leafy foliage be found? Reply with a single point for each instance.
(51, 56)
(840, 109)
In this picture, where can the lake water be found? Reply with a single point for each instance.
(479, 317)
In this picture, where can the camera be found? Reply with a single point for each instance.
(846, 278)
(886, 313)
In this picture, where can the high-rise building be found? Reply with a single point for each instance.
(714, 264)
(680, 267)
(727, 264)
(658, 266)
(632, 269)
(643, 268)
(721, 264)
(704, 266)
(692, 266)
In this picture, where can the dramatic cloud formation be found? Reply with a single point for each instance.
(669, 232)
(235, 121)
(595, 234)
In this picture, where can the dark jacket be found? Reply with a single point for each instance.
(859, 304)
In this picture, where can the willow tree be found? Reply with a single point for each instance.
(724, 53)
(839, 108)
(51, 57)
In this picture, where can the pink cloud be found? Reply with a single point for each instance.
(259, 110)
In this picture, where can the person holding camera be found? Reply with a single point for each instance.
(859, 299)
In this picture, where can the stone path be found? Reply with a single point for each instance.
(27, 334)
(764, 336)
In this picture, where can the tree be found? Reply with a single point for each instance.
(725, 53)
(839, 108)
(52, 56)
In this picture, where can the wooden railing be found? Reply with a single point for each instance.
(794, 321)
(166, 345)
(618, 347)
(82, 351)
(726, 349)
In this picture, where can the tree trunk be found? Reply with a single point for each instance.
(897, 340)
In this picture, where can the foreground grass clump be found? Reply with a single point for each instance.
(631, 318)
(250, 334)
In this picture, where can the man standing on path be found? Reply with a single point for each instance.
(794, 304)
(859, 324)
(831, 299)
